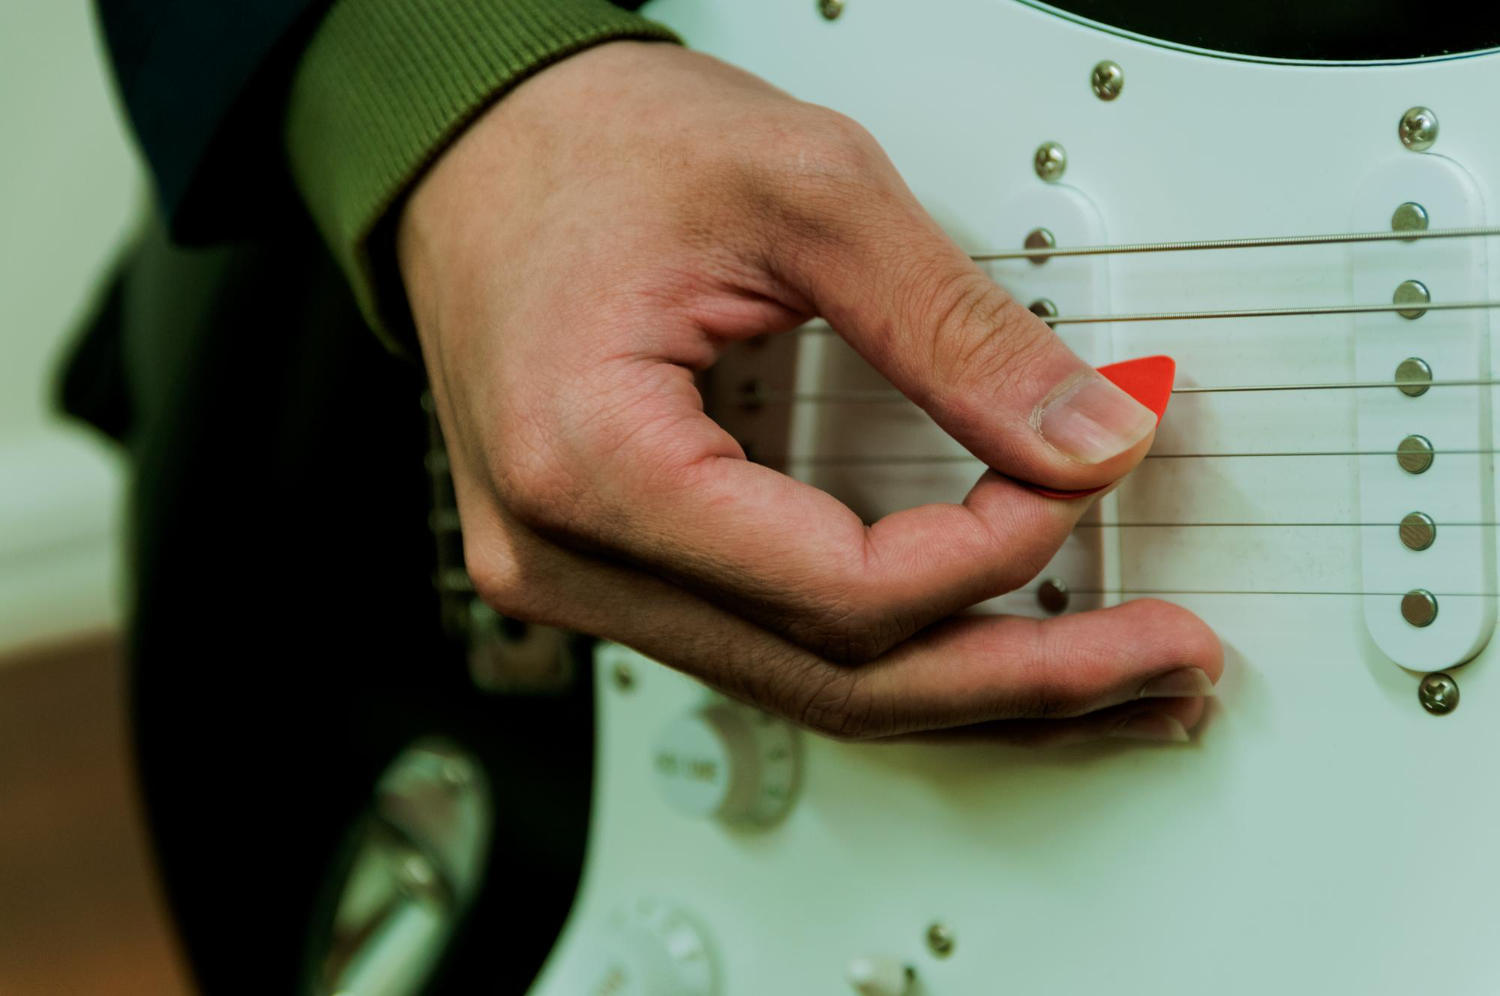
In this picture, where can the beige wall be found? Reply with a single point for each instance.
(70, 187)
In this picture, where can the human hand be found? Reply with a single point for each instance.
(597, 237)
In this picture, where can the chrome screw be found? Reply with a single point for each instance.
(830, 9)
(624, 678)
(1411, 292)
(1107, 79)
(1418, 531)
(1413, 376)
(1419, 607)
(1050, 161)
(1409, 217)
(1052, 595)
(1043, 308)
(1418, 129)
(1438, 693)
(1039, 238)
(940, 940)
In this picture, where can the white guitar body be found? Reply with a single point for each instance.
(1324, 833)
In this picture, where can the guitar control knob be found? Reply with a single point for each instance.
(650, 949)
(728, 761)
(879, 977)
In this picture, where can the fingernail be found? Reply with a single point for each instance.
(1186, 682)
(1092, 420)
(1152, 726)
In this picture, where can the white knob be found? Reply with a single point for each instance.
(879, 977)
(727, 761)
(650, 949)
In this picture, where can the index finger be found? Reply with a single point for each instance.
(665, 487)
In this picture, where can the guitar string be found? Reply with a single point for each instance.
(1445, 524)
(1043, 254)
(918, 459)
(1257, 591)
(1417, 307)
(1345, 238)
(752, 395)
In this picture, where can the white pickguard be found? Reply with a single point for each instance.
(1323, 834)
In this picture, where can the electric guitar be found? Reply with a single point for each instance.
(1310, 242)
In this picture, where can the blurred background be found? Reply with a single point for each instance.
(79, 912)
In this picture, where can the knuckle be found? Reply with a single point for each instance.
(851, 633)
(539, 491)
(819, 164)
(979, 335)
(498, 583)
(830, 143)
(1039, 702)
(833, 704)
(1044, 691)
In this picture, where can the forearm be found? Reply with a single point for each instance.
(386, 85)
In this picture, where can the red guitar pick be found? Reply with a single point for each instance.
(1147, 380)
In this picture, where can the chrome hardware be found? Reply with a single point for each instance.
(1411, 292)
(1051, 161)
(1414, 454)
(1418, 531)
(507, 655)
(1438, 693)
(1043, 308)
(1039, 238)
(1409, 217)
(940, 940)
(623, 677)
(1052, 595)
(1419, 607)
(830, 9)
(1107, 80)
(416, 858)
(1418, 129)
(1413, 377)
(881, 977)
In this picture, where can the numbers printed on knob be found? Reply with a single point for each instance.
(727, 761)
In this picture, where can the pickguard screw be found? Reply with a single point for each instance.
(1413, 376)
(940, 940)
(1043, 308)
(1052, 595)
(1039, 238)
(1409, 217)
(1414, 454)
(1050, 161)
(1418, 129)
(624, 678)
(1419, 607)
(1107, 79)
(830, 9)
(1418, 531)
(1411, 292)
(1438, 693)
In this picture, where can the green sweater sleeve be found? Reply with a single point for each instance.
(385, 85)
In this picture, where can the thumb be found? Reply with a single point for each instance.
(987, 370)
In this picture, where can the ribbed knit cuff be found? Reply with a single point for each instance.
(385, 85)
